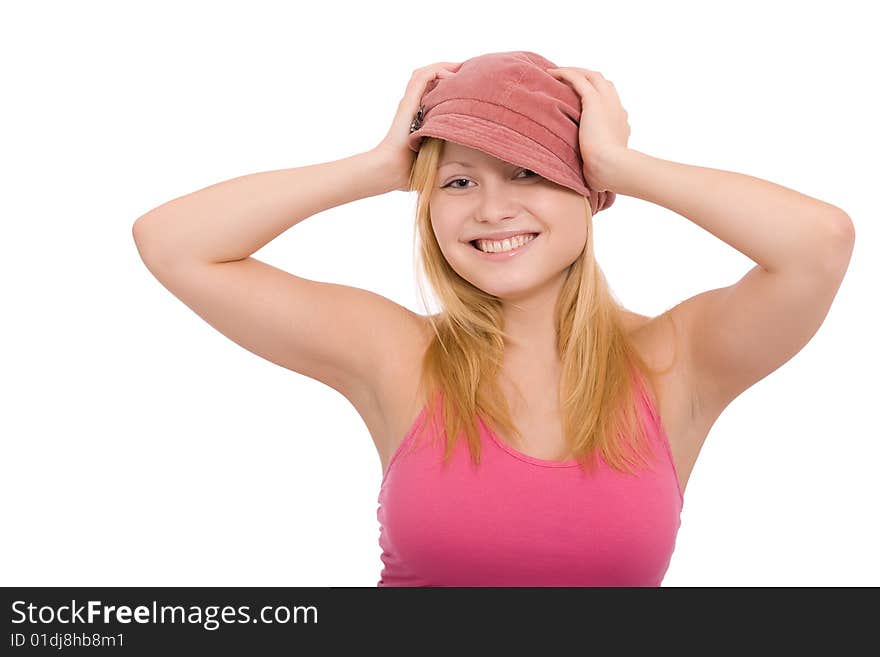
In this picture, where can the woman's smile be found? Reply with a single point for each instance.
(504, 255)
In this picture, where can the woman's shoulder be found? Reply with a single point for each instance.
(634, 321)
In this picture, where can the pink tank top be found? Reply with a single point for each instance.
(517, 520)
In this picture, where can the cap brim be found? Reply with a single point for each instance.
(502, 142)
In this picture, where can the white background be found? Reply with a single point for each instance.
(142, 447)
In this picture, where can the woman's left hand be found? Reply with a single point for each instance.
(604, 129)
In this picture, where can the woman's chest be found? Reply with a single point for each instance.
(512, 521)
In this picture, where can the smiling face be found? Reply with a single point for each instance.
(478, 195)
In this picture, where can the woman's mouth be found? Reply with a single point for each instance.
(504, 249)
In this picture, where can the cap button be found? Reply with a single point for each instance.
(417, 121)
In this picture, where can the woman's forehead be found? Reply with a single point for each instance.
(456, 153)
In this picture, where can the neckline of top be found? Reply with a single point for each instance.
(534, 460)
(568, 463)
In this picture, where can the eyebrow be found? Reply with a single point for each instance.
(468, 165)
(464, 164)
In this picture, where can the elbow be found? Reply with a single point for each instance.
(844, 228)
(842, 240)
(145, 239)
(137, 234)
(138, 228)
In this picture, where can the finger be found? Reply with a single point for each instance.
(593, 76)
(437, 65)
(442, 70)
(423, 76)
(596, 79)
(576, 79)
(607, 86)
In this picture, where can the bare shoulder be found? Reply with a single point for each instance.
(635, 322)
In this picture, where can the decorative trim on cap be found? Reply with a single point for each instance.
(417, 121)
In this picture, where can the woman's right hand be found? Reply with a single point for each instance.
(394, 148)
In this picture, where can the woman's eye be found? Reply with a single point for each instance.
(450, 183)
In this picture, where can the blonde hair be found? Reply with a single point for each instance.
(462, 363)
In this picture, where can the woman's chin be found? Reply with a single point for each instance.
(507, 290)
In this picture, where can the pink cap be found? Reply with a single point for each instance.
(507, 105)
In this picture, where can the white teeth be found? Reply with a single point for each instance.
(490, 246)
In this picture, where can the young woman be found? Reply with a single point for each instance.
(533, 432)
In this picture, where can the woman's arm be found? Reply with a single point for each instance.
(230, 220)
(778, 228)
(737, 335)
(199, 247)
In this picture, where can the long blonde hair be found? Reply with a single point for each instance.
(462, 363)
